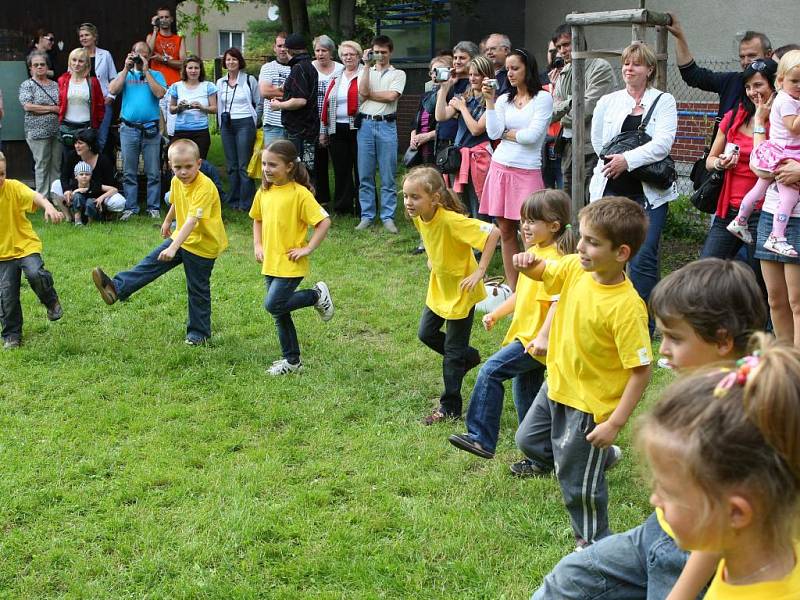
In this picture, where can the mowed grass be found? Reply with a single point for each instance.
(134, 466)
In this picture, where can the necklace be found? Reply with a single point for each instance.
(520, 102)
(751, 577)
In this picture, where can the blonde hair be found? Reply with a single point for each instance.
(183, 147)
(483, 67)
(352, 45)
(789, 61)
(553, 206)
(641, 53)
(444, 59)
(83, 53)
(432, 182)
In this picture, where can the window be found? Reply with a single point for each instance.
(230, 39)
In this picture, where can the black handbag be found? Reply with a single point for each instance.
(708, 184)
(448, 160)
(659, 174)
(412, 157)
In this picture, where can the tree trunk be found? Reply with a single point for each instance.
(285, 12)
(334, 6)
(347, 18)
(300, 23)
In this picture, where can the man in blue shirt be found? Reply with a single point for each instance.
(141, 89)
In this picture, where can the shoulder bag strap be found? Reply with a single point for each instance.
(649, 114)
(53, 100)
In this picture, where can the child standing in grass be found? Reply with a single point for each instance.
(548, 233)
(455, 285)
(283, 210)
(197, 241)
(21, 252)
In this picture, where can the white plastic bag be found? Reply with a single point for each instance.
(496, 293)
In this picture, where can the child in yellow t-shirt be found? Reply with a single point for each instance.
(196, 243)
(21, 252)
(283, 210)
(598, 360)
(548, 233)
(455, 285)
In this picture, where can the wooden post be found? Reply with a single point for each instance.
(578, 120)
(638, 32)
(661, 54)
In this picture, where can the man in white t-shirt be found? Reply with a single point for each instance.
(270, 82)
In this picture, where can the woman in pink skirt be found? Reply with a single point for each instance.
(519, 119)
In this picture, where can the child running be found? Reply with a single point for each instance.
(196, 243)
(706, 312)
(21, 252)
(548, 234)
(598, 361)
(783, 143)
(282, 211)
(455, 284)
(723, 446)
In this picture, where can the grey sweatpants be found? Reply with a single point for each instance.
(553, 435)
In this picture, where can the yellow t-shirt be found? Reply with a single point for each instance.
(17, 238)
(663, 522)
(532, 304)
(599, 333)
(449, 238)
(787, 588)
(199, 199)
(286, 212)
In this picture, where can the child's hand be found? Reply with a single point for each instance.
(52, 215)
(259, 253)
(489, 321)
(603, 435)
(296, 254)
(524, 260)
(98, 203)
(468, 283)
(538, 345)
(167, 254)
(166, 229)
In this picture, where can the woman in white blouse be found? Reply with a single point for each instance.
(102, 67)
(519, 119)
(623, 111)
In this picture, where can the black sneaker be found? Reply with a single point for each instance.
(55, 312)
(526, 468)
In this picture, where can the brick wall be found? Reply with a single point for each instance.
(406, 111)
(695, 122)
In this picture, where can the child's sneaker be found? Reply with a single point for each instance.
(55, 312)
(527, 468)
(738, 228)
(324, 305)
(284, 367)
(613, 458)
(11, 343)
(780, 246)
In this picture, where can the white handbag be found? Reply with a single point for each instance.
(496, 293)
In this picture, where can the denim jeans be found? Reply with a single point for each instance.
(642, 563)
(41, 282)
(282, 298)
(486, 402)
(458, 355)
(133, 142)
(198, 285)
(272, 133)
(237, 143)
(377, 148)
(105, 126)
(721, 243)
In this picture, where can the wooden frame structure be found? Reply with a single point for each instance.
(638, 20)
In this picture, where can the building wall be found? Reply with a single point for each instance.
(206, 44)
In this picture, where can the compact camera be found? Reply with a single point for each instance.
(558, 62)
(138, 60)
(492, 83)
(441, 74)
(225, 118)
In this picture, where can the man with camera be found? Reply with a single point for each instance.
(600, 80)
(167, 48)
(141, 89)
(498, 47)
(380, 86)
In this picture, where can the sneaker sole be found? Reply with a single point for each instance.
(466, 445)
(97, 277)
(321, 285)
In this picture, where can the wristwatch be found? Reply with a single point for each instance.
(759, 129)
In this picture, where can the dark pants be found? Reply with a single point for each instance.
(41, 282)
(589, 161)
(281, 300)
(237, 143)
(86, 205)
(344, 156)
(306, 151)
(198, 285)
(458, 355)
(322, 188)
(200, 137)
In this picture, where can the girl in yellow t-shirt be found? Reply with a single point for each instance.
(548, 233)
(724, 449)
(455, 286)
(282, 211)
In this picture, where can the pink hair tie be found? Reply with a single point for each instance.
(744, 368)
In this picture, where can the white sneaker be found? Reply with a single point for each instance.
(363, 224)
(284, 367)
(324, 305)
(154, 214)
(126, 214)
(613, 458)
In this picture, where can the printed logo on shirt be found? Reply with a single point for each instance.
(486, 227)
(644, 356)
(199, 213)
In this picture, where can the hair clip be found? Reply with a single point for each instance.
(521, 51)
(744, 368)
(568, 226)
(297, 159)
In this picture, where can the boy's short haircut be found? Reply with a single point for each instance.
(2, 157)
(183, 147)
(717, 298)
(619, 219)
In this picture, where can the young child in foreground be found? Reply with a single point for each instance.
(86, 196)
(598, 361)
(706, 312)
(197, 241)
(783, 143)
(548, 234)
(455, 285)
(21, 252)
(723, 446)
(283, 210)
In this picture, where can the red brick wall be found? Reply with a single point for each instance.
(687, 147)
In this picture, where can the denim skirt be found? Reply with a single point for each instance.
(792, 236)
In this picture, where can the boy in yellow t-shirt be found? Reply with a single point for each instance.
(598, 360)
(196, 243)
(21, 252)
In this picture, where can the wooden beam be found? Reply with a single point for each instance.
(661, 57)
(620, 17)
(610, 53)
(578, 121)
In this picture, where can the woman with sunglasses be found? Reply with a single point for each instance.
(103, 68)
(39, 99)
(44, 41)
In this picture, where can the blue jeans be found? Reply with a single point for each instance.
(377, 148)
(642, 563)
(721, 243)
(486, 402)
(281, 300)
(105, 125)
(41, 282)
(272, 133)
(237, 143)
(133, 143)
(198, 285)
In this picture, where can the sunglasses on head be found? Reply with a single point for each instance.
(50, 37)
(759, 65)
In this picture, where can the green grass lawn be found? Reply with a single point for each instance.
(134, 466)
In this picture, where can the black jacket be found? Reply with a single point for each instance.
(729, 85)
(302, 83)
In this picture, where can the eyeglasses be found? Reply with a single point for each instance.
(38, 64)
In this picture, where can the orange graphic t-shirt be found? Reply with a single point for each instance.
(170, 46)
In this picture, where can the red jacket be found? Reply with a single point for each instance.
(97, 104)
(352, 101)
